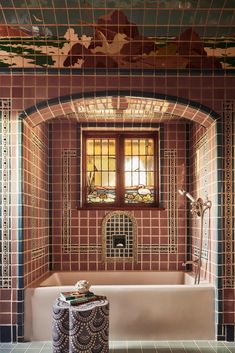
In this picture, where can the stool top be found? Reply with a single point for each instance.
(60, 304)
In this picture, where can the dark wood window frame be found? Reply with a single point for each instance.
(119, 136)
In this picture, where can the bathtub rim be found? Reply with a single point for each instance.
(188, 278)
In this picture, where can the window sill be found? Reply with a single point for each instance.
(118, 208)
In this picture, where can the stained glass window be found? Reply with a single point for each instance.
(120, 169)
(139, 170)
(101, 170)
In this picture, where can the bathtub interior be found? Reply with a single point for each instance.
(118, 278)
(164, 306)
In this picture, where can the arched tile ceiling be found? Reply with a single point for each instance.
(119, 109)
(126, 34)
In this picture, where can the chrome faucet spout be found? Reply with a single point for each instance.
(193, 262)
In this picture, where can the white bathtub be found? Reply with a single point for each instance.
(143, 305)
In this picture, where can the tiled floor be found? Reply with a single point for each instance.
(132, 347)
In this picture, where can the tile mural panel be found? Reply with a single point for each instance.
(84, 35)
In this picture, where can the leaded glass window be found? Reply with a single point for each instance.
(120, 169)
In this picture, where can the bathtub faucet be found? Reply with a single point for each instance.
(184, 264)
(198, 208)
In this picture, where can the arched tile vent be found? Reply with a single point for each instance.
(119, 237)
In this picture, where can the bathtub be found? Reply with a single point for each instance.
(143, 305)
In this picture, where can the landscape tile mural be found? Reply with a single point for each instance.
(166, 34)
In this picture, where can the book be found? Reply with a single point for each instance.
(87, 300)
(74, 295)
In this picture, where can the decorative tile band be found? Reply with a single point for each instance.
(228, 110)
(5, 262)
(154, 249)
(170, 159)
(201, 178)
(37, 252)
(66, 199)
(97, 249)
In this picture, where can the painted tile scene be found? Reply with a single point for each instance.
(167, 34)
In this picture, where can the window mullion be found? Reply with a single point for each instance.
(120, 170)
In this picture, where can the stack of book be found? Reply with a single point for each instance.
(77, 298)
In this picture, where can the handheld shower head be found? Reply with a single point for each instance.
(187, 194)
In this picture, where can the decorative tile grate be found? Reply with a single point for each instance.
(66, 211)
(5, 199)
(119, 236)
(228, 118)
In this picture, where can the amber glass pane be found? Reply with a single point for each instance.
(105, 163)
(128, 147)
(101, 166)
(105, 147)
(112, 148)
(90, 147)
(139, 170)
(90, 163)
(112, 163)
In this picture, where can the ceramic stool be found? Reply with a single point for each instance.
(82, 328)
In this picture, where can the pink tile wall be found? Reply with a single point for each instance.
(28, 89)
(35, 205)
(86, 225)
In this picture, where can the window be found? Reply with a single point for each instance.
(120, 169)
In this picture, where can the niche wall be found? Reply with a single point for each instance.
(77, 233)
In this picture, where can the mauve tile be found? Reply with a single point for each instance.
(66, 266)
(53, 80)
(5, 92)
(163, 266)
(92, 231)
(5, 319)
(228, 318)
(74, 266)
(146, 266)
(155, 266)
(110, 266)
(17, 81)
(128, 266)
(17, 92)
(228, 306)
(91, 257)
(19, 104)
(100, 266)
(92, 266)
(228, 293)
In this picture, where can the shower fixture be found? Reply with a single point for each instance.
(187, 194)
(198, 208)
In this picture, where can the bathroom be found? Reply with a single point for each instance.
(50, 225)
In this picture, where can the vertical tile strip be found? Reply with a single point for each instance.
(37, 252)
(66, 199)
(5, 270)
(50, 199)
(202, 186)
(170, 158)
(228, 194)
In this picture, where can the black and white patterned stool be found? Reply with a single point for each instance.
(83, 328)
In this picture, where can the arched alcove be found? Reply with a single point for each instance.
(162, 243)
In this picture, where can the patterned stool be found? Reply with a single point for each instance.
(83, 328)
